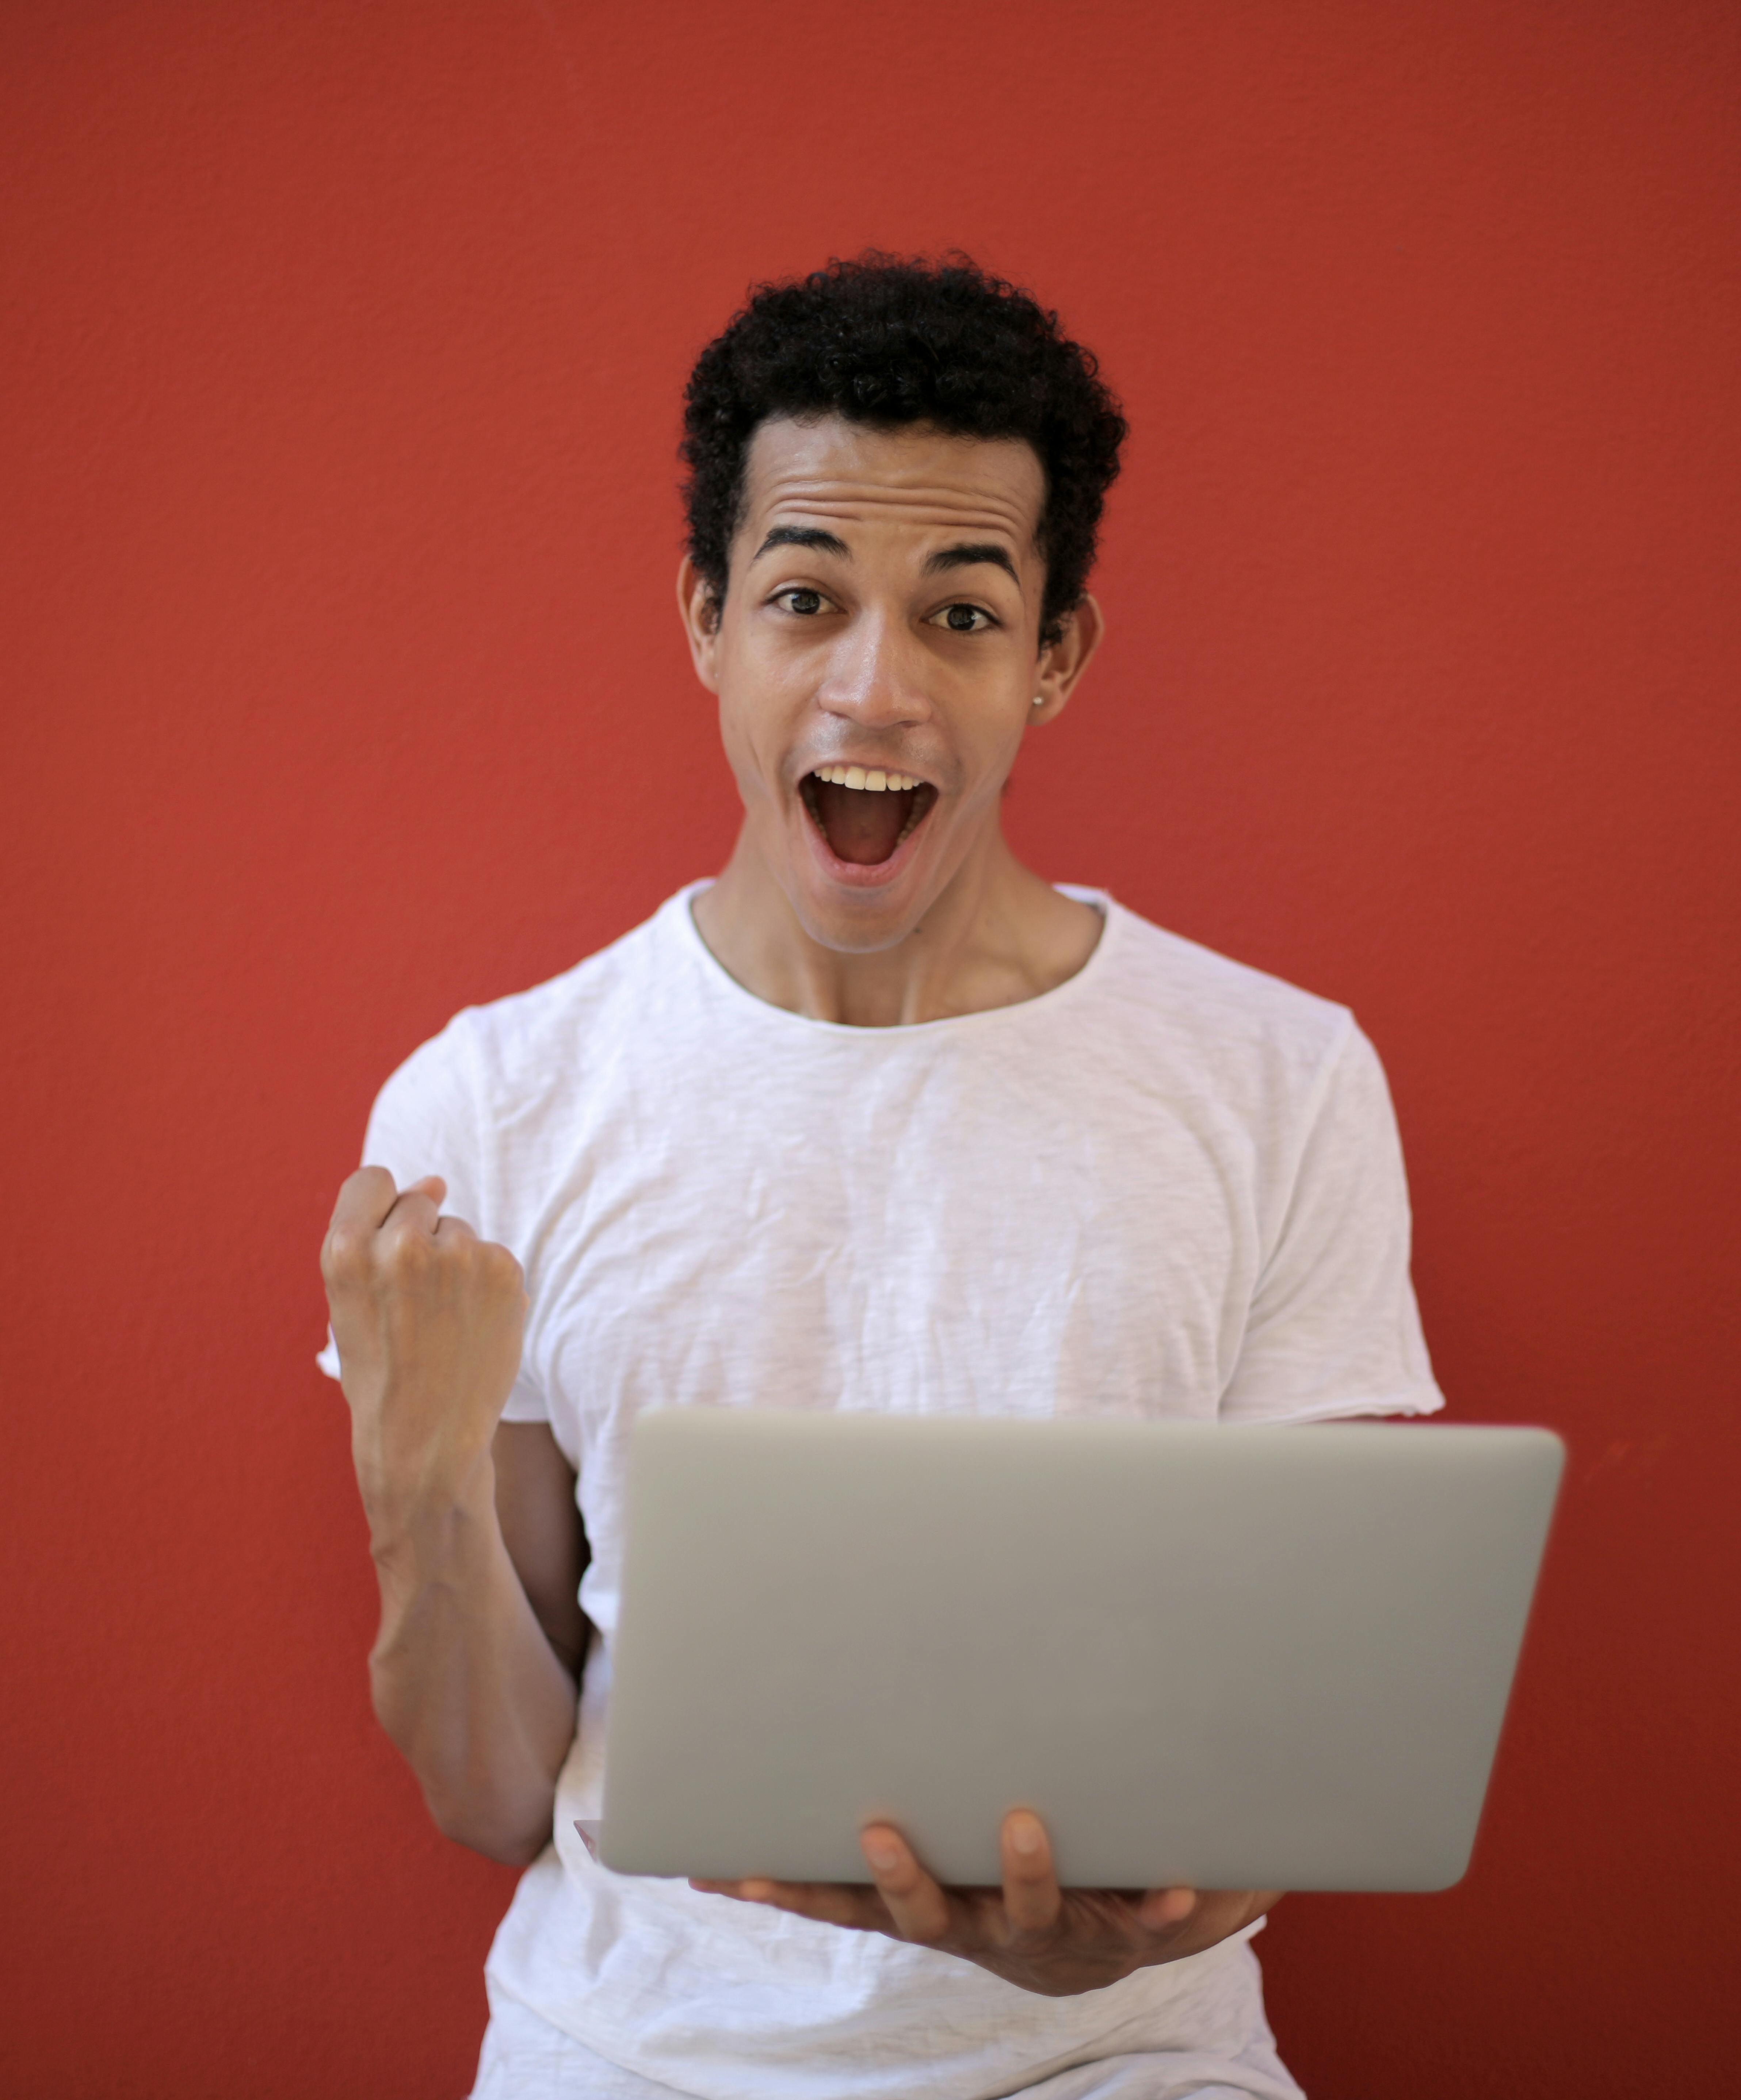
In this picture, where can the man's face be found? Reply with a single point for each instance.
(876, 660)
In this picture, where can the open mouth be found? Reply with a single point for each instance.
(865, 815)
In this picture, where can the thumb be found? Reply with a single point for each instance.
(430, 1185)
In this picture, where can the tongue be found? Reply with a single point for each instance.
(861, 827)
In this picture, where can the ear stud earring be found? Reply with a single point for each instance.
(1039, 700)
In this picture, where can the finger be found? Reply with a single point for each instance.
(752, 1890)
(1031, 1897)
(830, 1902)
(918, 1908)
(1162, 1908)
(370, 1195)
(365, 1198)
(496, 1264)
(419, 1208)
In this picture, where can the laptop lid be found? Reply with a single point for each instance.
(1234, 1658)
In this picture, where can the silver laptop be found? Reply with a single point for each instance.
(1230, 1657)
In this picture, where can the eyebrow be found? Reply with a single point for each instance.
(969, 554)
(966, 554)
(803, 535)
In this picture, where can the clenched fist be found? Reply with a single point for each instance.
(429, 1320)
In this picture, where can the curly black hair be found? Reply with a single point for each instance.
(886, 340)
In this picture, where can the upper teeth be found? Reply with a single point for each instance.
(855, 776)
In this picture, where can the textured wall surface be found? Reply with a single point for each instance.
(341, 354)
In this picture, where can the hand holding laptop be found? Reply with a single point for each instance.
(1209, 1658)
(1031, 1932)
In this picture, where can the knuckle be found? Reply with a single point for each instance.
(500, 1264)
(343, 1252)
(406, 1254)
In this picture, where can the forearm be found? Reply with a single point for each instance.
(465, 1681)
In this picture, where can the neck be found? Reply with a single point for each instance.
(995, 934)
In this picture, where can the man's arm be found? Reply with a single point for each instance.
(474, 1671)
(541, 1527)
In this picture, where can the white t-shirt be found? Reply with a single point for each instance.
(1171, 1186)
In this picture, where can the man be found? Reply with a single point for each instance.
(878, 1120)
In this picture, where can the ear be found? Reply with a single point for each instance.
(1061, 663)
(698, 608)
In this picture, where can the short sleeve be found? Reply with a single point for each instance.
(428, 1119)
(1333, 1328)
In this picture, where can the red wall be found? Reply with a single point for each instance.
(342, 352)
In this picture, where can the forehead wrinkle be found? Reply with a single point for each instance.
(934, 508)
(827, 465)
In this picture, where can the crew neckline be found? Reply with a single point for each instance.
(1113, 915)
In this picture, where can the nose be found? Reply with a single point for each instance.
(875, 678)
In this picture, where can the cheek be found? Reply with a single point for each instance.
(765, 693)
(741, 754)
(996, 752)
(751, 733)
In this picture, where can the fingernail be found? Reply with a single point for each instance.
(883, 1854)
(1024, 1834)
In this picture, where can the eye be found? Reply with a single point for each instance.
(965, 619)
(804, 603)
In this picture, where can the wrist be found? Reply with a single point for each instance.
(420, 1521)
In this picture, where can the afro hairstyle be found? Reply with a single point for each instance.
(885, 340)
